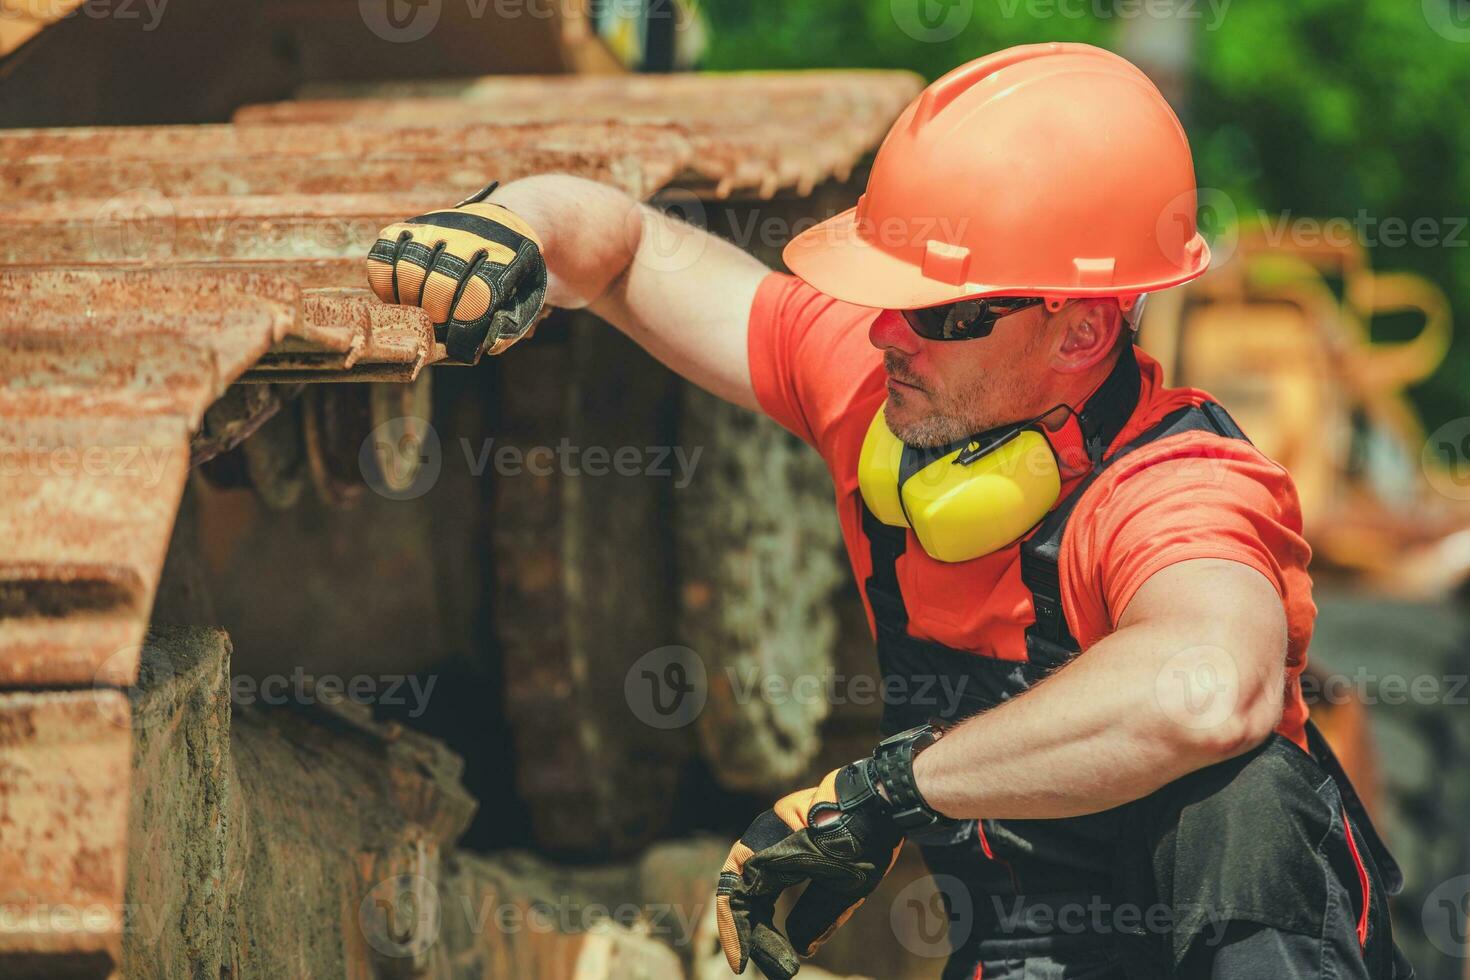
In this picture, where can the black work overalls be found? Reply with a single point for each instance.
(1311, 844)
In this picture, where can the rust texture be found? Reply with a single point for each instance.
(146, 270)
(192, 161)
(63, 819)
(753, 134)
(107, 372)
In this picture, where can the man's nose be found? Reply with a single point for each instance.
(891, 332)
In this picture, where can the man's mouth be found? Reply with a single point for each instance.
(898, 376)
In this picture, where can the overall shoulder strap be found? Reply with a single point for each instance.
(1100, 420)
(1050, 640)
(885, 544)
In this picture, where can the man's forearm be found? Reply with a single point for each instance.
(589, 232)
(683, 294)
(1138, 710)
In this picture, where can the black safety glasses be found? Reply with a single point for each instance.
(969, 319)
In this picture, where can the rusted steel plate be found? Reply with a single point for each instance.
(751, 132)
(166, 231)
(177, 161)
(64, 785)
(88, 322)
(350, 335)
(103, 375)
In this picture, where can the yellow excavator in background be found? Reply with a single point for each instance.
(1280, 334)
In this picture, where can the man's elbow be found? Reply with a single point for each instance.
(1213, 712)
(1242, 731)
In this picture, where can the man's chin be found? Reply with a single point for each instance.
(918, 431)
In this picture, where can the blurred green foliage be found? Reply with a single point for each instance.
(1313, 108)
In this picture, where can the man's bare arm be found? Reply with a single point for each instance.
(680, 292)
(1193, 675)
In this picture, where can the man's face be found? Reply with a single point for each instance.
(941, 391)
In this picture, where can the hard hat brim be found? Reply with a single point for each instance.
(835, 259)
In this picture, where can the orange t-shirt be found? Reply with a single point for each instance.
(816, 373)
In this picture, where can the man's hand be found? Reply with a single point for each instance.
(476, 269)
(837, 835)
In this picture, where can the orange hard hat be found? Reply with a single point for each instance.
(1054, 170)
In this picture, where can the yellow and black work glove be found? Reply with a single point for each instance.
(844, 859)
(475, 268)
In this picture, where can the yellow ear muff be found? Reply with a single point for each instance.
(878, 466)
(959, 510)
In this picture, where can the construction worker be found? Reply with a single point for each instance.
(1103, 569)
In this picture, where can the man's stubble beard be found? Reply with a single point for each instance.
(953, 418)
(958, 414)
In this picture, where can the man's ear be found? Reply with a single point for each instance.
(1089, 334)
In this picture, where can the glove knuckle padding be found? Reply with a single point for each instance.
(476, 270)
(474, 300)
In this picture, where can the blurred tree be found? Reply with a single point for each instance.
(1314, 109)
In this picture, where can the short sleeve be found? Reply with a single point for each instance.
(809, 356)
(1191, 496)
